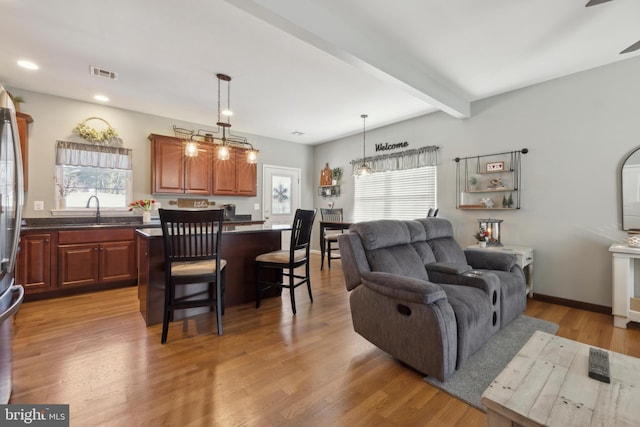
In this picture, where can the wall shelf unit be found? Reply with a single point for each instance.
(329, 191)
(489, 181)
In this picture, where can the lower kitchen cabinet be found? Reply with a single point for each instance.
(96, 257)
(35, 261)
(69, 261)
(78, 265)
(92, 264)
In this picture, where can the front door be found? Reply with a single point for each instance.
(280, 197)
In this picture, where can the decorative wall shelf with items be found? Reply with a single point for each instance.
(490, 181)
(329, 179)
(329, 191)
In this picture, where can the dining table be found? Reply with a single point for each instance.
(328, 226)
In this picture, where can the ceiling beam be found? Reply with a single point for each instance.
(361, 47)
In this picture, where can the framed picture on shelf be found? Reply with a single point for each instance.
(495, 166)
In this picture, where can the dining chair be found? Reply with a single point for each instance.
(192, 241)
(287, 260)
(331, 235)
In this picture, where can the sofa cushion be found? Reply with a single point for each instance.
(401, 259)
(381, 233)
(416, 231)
(439, 233)
(388, 249)
(476, 319)
(513, 294)
(436, 228)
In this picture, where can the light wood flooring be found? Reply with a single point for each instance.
(269, 368)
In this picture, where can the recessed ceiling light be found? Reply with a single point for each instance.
(101, 98)
(297, 133)
(28, 64)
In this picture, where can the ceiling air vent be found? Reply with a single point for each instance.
(99, 72)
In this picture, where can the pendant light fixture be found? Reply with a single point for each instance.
(364, 168)
(225, 142)
(223, 150)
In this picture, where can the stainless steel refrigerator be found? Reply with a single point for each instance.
(11, 201)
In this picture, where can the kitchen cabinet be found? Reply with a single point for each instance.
(23, 120)
(96, 257)
(35, 261)
(235, 176)
(172, 172)
(55, 262)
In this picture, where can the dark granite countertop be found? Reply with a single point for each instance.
(228, 227)
(89, 222)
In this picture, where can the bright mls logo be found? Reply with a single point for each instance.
(34, 415)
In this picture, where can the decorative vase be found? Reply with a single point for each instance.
(482, 244)
(146, 217)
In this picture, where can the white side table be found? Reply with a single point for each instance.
(625, 306)
(524, 258)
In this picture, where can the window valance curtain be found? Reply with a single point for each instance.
(409, 159)
(99, 156)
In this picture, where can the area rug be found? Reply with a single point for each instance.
(469, 383)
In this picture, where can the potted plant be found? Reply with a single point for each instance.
(473, 181)
(17, 100)
(144, 206)
(336, 174)
(482, 237)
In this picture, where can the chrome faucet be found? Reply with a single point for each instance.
(97, 206)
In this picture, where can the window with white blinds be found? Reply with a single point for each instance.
(398, 194)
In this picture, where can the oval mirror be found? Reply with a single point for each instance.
(631, 191)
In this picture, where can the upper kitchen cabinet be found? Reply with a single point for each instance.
(172, 172)
(235, 176)
(23, 120)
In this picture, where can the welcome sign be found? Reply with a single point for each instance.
(391, 146)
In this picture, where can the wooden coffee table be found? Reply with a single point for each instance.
(547, 383)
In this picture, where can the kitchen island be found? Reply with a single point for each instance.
(240, 246)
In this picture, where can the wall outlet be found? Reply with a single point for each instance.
(256, 206)
(38, 205)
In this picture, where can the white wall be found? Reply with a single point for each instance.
(578, 130)
(55, 117)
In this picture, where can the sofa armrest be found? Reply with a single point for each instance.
(403, 288)
(447, 267)
(486, 260)
(488, 282)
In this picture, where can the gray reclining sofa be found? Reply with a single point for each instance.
(418, 296)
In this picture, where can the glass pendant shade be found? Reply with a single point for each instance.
(364, 170)
(223, 152)
(191, 149)
(252, 156)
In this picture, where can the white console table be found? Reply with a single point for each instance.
(524, 258)
(625, 307)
